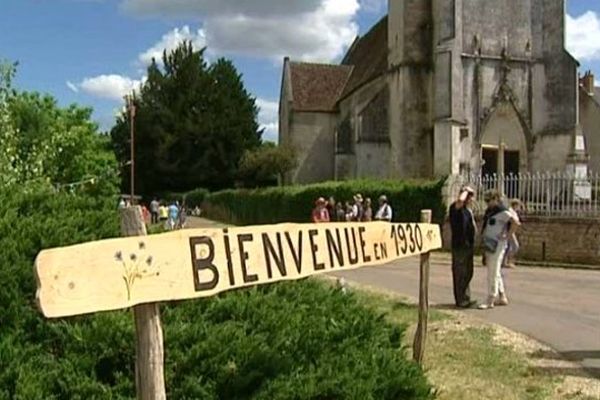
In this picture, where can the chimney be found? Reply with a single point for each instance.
(587, 82)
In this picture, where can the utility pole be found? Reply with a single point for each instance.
(130, 103)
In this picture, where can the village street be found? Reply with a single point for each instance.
(560, 307)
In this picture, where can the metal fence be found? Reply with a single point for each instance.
(543, 194)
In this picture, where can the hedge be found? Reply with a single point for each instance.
(302, 340)
(195, 198)
(294, 203)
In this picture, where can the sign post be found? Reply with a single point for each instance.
(149, 354)
(421, 333)
(140, 271)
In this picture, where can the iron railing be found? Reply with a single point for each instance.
(557, 194)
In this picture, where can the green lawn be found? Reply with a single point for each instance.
(465, 360)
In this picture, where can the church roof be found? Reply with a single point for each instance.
(317, 87)
(368, 55)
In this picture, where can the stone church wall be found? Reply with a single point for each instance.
(554, 240)
(410, 78)
(367, 159)
(312, 135)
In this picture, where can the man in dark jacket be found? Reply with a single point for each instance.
(462, 224)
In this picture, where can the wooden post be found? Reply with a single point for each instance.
(149, 354)
(421, 333)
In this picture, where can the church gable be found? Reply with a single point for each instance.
(317, 87)
(368, 56)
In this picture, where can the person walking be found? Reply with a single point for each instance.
(154, 205)
(182, 216)
(173, 215)
(462, 227)
(384, 213)
(163, 213)
(320, 213)
(498, 226)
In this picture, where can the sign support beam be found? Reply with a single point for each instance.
(149, 352)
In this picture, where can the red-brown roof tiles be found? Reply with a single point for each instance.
(317, 87)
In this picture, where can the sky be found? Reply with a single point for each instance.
(93, 52)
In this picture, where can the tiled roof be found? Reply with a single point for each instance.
(368, 55)
(317, 87)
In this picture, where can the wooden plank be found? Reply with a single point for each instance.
(149, 348)
(421, 333)
(119, 273)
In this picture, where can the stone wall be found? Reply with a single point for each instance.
(555, 240)
(312, 135)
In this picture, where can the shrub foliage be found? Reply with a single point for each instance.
(302, 340)
(294, 203)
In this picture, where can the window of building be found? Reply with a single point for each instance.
(374, 122)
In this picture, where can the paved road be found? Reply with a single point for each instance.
(559, 307)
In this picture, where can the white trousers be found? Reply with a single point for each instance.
(493, 263)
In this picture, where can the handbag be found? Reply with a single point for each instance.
(490, 244)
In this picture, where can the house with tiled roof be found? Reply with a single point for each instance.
(440, 88)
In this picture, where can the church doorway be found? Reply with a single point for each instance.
(489, 155)
(491, 167)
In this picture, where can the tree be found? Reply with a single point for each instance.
(266, 165)
(44, 142)
(193, 123)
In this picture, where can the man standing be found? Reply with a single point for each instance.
(154, 210)
(384, 213)
(462, 225)
(357, 208)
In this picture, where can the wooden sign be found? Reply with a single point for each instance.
(119, 273)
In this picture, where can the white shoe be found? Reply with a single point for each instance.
(488, 305)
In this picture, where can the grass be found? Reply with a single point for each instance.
(464, 361)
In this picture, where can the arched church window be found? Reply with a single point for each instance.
(374, 123)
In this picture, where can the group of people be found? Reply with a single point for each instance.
(357, 210)
(499, 241)
(173, 215)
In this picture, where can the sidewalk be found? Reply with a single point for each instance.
(558, 307)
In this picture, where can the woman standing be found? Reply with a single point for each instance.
(499, 225)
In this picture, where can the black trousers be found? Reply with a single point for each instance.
(462, 273)
(155, 218)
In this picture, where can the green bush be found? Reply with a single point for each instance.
(195, 197)
(302, 340)
(294, 203)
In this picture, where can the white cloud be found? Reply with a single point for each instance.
(268, 118)
(170, 41)
(206, 8)
(112, 87)
(72, 86)
(316, 30)
(583, 35)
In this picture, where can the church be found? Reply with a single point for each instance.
(440, 88)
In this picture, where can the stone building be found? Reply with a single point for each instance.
(435, 87)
